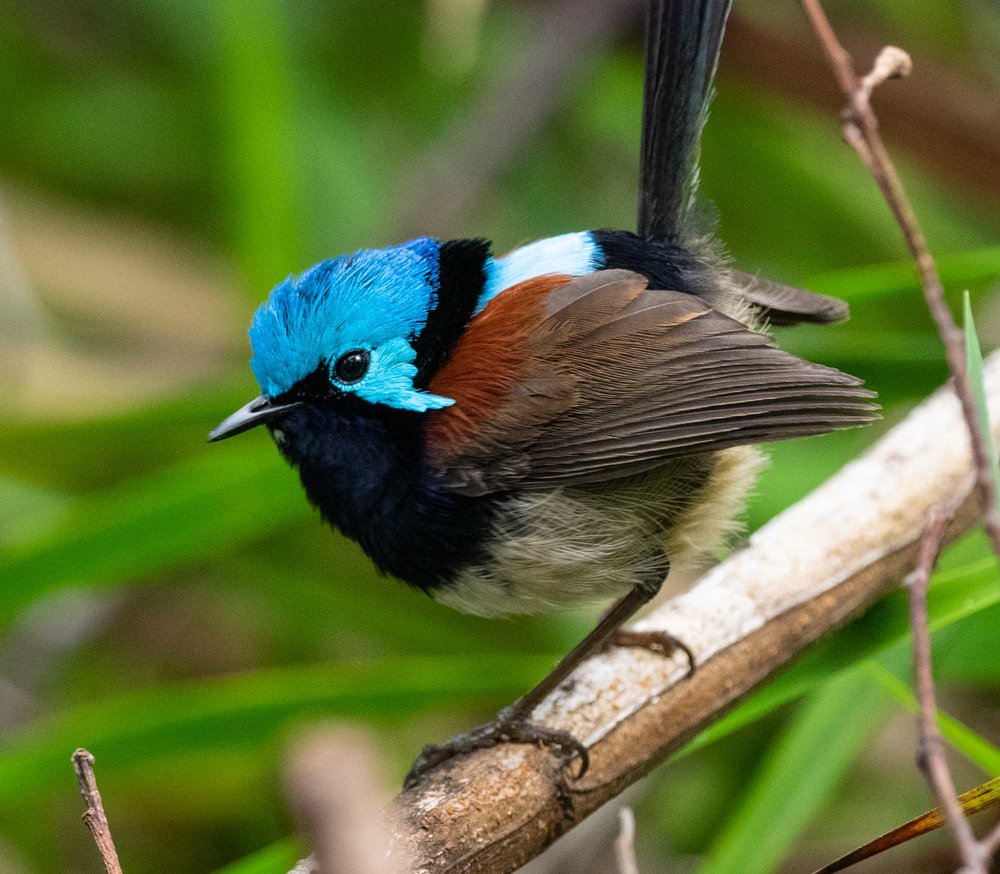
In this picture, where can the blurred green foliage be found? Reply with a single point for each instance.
(180, 611)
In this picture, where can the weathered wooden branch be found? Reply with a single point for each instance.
(810, 570)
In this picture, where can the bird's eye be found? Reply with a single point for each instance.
(352, 366)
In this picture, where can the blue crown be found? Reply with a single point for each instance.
(375, 299)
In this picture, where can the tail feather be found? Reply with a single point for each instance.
(784, 305)
(683, 39)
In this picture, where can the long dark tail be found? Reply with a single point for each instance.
(683, 39)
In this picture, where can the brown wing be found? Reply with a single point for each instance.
(565, 381)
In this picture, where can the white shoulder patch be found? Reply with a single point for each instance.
(573, 254)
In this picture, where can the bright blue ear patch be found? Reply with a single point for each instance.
(375, 299)
(390, 380)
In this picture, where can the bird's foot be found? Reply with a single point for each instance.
(661, 642)
(510, 726)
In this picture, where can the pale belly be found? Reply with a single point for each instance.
(578, 545)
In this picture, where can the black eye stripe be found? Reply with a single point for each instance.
(351, 367)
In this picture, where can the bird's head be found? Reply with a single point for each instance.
(347, 331)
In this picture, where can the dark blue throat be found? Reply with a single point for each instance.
(363, 465)
(364, 471)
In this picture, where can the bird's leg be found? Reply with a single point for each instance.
(513, 724)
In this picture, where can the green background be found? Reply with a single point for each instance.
(179, 609)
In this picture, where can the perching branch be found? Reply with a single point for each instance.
(93, 814)
(810, 570)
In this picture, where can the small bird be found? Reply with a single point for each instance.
(557, 425)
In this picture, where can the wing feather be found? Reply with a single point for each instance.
(571, 381)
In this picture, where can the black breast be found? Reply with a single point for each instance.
(365, 473)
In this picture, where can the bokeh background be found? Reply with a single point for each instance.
(179, 609)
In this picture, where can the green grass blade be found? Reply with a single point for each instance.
(189, 512)
(395, 618)
(974, 367)
(96, 453)
(256, 92)
(27, 510)
(800, 771)
(958, 655)
(878, 280)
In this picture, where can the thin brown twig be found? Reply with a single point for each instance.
(860, 126)
(861, 131)
(93, 814)
(931, 754)
(625, 843)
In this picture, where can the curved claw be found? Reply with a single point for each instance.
(656, 641)
(508, 728)
(581, 751)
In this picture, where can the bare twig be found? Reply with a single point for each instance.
(861, 131)
(992, 841)
(955, 112)
(860, 127)
(93, 814)
(931, 758)
(931, 753)
(625, 843)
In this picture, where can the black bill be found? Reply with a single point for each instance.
(257, 412)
